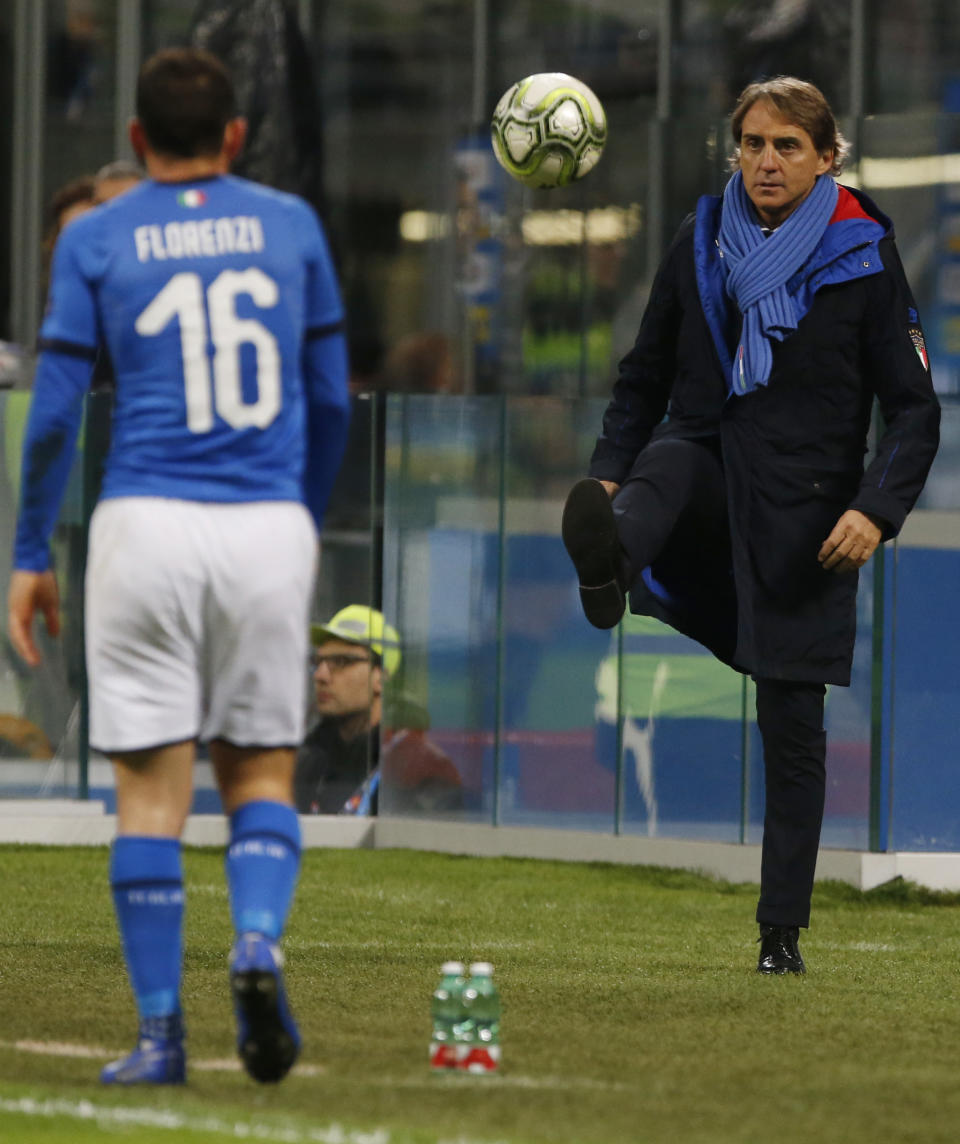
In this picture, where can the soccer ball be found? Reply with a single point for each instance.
(548, 130)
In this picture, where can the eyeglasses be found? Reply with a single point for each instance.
(338, 662)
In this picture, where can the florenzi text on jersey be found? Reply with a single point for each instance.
(199, 238)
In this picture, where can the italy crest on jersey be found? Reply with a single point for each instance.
(191, 198)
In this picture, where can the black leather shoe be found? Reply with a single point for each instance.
(779, 952)
(589, 534)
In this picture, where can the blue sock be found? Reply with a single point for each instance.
(263, 860)
(146, 876)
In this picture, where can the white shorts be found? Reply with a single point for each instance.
(197, 622)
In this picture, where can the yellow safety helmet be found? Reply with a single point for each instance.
(356, 623)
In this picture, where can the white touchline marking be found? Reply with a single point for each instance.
(57, 1049)
(96, 1053)
(500, 1080)
(858, 946)
(176, 1121)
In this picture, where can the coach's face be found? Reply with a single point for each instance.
(345, 679)
(778, 161)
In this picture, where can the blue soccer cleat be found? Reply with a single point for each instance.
(267, 1037)
(159, 1057)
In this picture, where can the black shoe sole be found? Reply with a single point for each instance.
(589, 533)
(780, 970)
(268, 1052)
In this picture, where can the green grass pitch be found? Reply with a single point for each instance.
(631, 1010)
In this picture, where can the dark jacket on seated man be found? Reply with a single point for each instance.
(330, 769)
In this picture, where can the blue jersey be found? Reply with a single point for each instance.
(213, 299)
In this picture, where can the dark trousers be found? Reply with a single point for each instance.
(790, 718)
(676, 493)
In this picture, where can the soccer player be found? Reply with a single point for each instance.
(219, 306)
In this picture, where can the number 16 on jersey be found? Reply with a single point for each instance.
(184, 298)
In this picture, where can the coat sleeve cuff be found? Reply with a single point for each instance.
(890, 511)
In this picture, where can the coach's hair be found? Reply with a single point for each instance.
(799, 102)
(185, 99)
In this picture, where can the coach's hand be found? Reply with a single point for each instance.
(31, 592)
(851, 543)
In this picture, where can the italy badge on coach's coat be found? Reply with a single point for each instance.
(916, 336)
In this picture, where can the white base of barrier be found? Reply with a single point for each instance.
(65, 823)
(61, 822)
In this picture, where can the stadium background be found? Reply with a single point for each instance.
(485, 320)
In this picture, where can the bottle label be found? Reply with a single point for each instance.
(442, 1056)
(481, 1059)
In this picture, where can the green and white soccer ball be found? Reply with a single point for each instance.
(548, 130)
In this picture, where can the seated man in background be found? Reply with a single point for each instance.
(339, 765)
(352, 655)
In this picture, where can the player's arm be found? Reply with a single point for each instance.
(68, 349)
(325, 370)
(328, 415)
(56, 412)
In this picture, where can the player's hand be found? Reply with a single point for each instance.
(31, 592)
(612, 488)
(851, 543)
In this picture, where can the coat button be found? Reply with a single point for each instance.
(866, 265)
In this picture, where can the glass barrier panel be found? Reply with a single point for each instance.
(909, 166)
(557, 766)
(337, 763)
(681, 735)
(442, 571)
(924, 805)
(351, 556)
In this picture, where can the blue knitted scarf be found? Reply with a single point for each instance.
(759, 268)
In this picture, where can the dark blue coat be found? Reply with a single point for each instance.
(793, 451)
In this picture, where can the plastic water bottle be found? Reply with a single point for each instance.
(478, 1035)
(447, 1011)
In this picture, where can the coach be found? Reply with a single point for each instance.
(728, 491)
